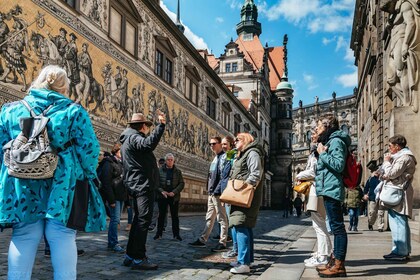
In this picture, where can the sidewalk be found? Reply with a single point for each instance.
(364, 257)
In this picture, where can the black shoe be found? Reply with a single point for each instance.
(215, 237)
(177, 237)
(157, 236)
(219, 248)
(151, 228)
(80, 252)
(380, 230)
(127, 261)
(395, 257)
(355, 229)
(143, 264)
(350, 228)
(370, 227)
(197, 243)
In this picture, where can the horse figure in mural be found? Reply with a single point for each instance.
(111, 91)
(48, 53)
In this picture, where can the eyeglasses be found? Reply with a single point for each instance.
(213, 143)
(237, 139)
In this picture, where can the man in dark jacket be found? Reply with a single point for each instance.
(113, 193)
(369, 196)
(214, 205)
(141, 178)
(169, 193)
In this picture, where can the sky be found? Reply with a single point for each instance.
(320, 60)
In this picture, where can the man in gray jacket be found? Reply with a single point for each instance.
(141, 177)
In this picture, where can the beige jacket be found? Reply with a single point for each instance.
(399, 170)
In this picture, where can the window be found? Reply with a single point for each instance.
(236, 93)
(211, 108)
(164, 59)
(191, 90)
(227, 67)
(225, 119)
(236, 127)
(71, 3)
(123, 29)
(234, 66)
(159, 63)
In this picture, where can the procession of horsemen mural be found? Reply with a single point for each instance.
(105, 88)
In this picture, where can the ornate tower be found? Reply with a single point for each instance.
(249, 17)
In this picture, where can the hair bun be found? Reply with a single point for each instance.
(51, 78)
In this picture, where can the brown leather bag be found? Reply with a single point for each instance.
(238, 193)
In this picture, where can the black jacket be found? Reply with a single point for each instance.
(110, 172)
(177, 182)
(141, 174)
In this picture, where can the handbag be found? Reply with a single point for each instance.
(303, 188)
(238, 193)
(391, 195)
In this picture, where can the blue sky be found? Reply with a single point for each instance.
(319, 57)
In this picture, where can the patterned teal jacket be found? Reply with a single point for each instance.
(27, 200)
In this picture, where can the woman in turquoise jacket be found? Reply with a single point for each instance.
(34, 207)
(332, 148)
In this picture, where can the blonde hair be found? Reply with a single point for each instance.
(52, 77)
(246, 139)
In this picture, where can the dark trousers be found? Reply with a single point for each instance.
(163, 209)
(336, 219)
(143, 211)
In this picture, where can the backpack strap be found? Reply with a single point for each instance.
(31, 110)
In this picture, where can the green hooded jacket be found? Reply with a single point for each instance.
(330, 167)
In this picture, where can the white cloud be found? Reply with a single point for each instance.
(349, 55)
(341, 43)
(310, 81)
(317, 15)
(326, 41)
(348, 80)
(197, 41)
(235, 4)
(219, 20)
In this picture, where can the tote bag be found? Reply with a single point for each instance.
(238, 193)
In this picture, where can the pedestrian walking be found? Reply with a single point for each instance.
(113, 191)
(169, 194)
(248, 166)
(333, 145)
(214, 205)
(374, 213)
(399, 167)
(30, 205)
(141, 178)
(352, 202)
(297, 203)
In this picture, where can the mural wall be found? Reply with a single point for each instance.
(30, 38)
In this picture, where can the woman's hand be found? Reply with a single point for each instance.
(321, 148)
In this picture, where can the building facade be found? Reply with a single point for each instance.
(124, 57)
(305, 120)
(385, 41)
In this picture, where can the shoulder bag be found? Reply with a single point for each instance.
(303, 188)
(392, 195)
(238, 193)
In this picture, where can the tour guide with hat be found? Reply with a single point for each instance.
(141, 177)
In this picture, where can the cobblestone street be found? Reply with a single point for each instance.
(177, 260)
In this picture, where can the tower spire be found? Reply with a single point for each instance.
(178, 19)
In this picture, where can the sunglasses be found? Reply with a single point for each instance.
(237, 139)
(213, 143)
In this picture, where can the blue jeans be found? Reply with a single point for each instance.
(336, 221)
(400, 231)
(24, 245)
(245, 240)
(115, 215)
(354, 216)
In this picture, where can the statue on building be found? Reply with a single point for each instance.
(404, 50)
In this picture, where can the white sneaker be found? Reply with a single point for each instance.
(242, 269)
(311, 259)
(234, 264)
(316, 262)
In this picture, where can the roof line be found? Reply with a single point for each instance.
(274, 66)
(250, 56)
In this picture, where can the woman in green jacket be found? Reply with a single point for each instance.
(332, 148)
(248, 166)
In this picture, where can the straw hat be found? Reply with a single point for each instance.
(140, 118)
